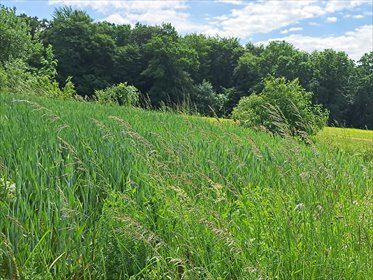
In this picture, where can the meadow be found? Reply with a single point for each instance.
(355, 141)
(102, 192)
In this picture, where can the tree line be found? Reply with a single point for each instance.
(211, 74)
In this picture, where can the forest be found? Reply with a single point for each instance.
(207, 74)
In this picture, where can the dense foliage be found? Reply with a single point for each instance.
(169, 69)
(109, 192)
(121, 94)
(15, 40)
(26, 66)
(282, 107)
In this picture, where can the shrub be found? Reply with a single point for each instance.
(18, 79)
(68, 90)
(120, 94)
(3, 79)
(207, 101)
(283, 107)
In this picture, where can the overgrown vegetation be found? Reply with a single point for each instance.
(121, 94)
(90, 191)
(17, 78)
(26, 66)
(210, 74)
(282, 107)
(114, 192)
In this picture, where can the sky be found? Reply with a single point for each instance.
(344, 25)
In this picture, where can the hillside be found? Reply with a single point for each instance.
(99, 192)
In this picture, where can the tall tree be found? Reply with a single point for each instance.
(247, 73)
(15, 38)
(168, 66)
(201, 45)
(83, 49)
(132, 55)
(361, 110)
(36, 26)
(224, 54)
(333, 82)
(281, 59)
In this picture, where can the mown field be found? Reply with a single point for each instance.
(355, 141)
(99, 192)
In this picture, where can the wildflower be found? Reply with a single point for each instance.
(7, 189)
(318, 211)
(299, 207)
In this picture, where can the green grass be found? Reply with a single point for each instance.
(348, 139)
(117, 193)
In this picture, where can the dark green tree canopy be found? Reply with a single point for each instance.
(361, 110)
(333, 83)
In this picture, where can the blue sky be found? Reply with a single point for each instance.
(345, 25)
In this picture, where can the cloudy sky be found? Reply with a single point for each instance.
(345, 25)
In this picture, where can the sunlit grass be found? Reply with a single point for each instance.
(348, 139)
(112, 193)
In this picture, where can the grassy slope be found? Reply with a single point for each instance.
(157, 195)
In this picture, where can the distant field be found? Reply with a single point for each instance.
(348, 139)
(102, 192)
(356, 141)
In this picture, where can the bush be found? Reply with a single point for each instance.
(3, 79)
(16, 78)
(283, 107)
(207, 101)
(121, 94)
(68, 90)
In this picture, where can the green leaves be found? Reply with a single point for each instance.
(282, 107)
(169, 61)
(169, 69)
(121, 94)
(333, 83)
(15, 40)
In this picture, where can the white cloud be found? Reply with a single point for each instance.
(117, 19)
(355, 43)
(105, 6)
(144, 11)
(312, 23)
(233, 2)
(246, 19)
(331, 19)
(292, 29)
(358, 16)
(179, 20)
(338, 5)
(266, 16)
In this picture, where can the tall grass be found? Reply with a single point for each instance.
(119, 193)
